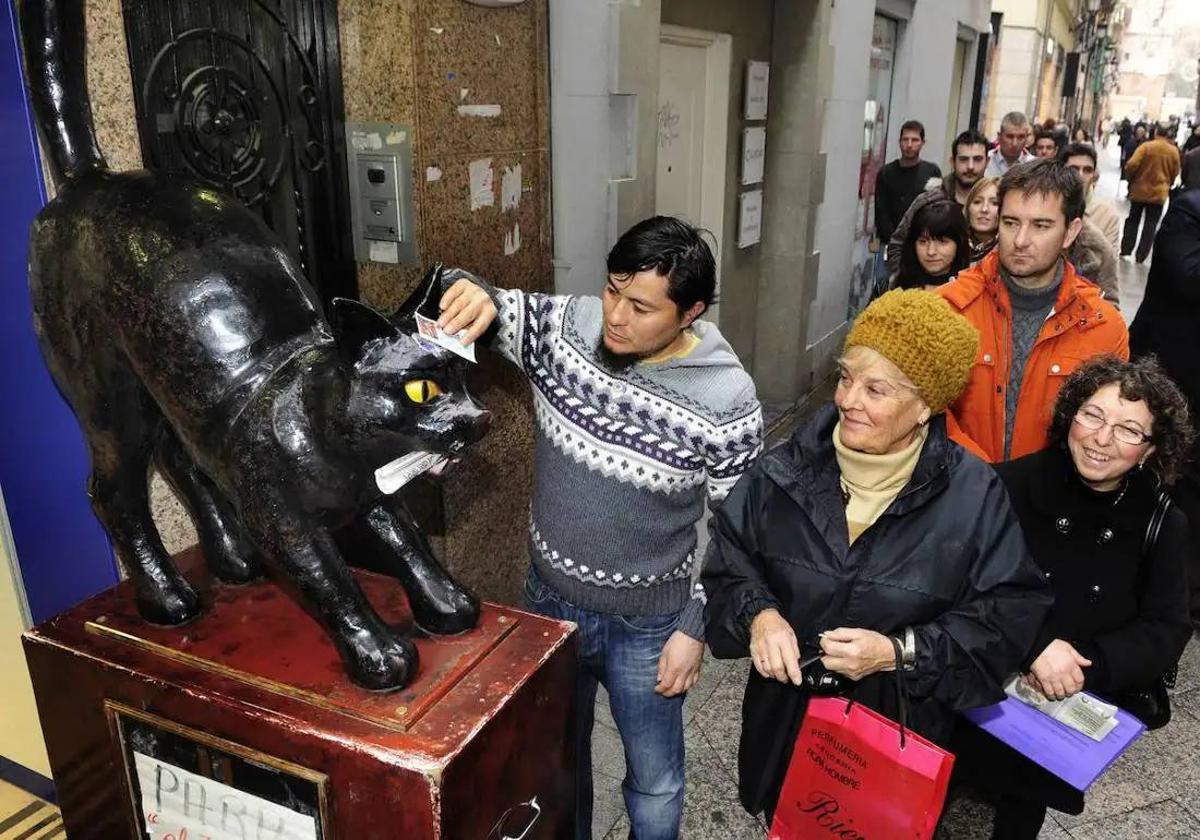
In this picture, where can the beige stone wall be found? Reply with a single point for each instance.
(415, 62)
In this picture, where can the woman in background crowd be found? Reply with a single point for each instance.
(982, 210)
(870, 523)
(1088, 505)
(936, 247)
(1080, 135)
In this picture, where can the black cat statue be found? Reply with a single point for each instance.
(182, 334)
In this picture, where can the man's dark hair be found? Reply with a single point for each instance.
(1045, 176)
(1075, 150)
(674, 249)
(970, 137)
(1142, 379)
(913, 125)
(1052, 134)
(940, 219)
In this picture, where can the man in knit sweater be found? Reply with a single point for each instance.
(643, 414)
(1037, 319)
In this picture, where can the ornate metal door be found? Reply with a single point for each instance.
(247, 96)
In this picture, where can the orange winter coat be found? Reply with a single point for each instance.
(1080, 325)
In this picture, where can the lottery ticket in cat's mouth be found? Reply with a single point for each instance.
(395, 474)
(428, 329)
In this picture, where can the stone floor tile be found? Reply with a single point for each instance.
(603, 712)
(1188, 678)
(608, 805)
(608, 754)
(711, 810)
(1124, 787)
(965, 818)
(713, 672)
(620, 831)
(719, 720)
(1051, 830)
(1161, 821)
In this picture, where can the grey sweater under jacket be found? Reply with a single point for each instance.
(624, 461)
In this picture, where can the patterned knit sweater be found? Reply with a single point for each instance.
(624, 461)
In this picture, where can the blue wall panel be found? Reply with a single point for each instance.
(63, 552)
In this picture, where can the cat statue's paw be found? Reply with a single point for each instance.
(379, 660)
(168, 601)
(444, 610)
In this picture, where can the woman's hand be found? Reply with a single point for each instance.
(773, 647)
(1058, 670)
(857, 653)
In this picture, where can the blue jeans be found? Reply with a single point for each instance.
(621, 652)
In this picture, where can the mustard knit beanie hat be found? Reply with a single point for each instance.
(922, 335)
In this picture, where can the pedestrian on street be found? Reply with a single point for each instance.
(1190, 174)
(902, 180)
(936, 246)
(1151, 171)
(1193, 139)
(1037, 319)
(1045, 143)
(643, 414)
(1166, 327)
(983, 217)
(1015, 135)
(1083, 159)
(1087, 506)
(872, 483)
(968, 160)
(1129, 144)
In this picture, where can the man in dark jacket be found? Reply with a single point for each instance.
(1166, 326)
(902, 180)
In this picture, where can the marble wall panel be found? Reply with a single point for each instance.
(111, 85)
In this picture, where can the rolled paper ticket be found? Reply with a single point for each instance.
(395, 474)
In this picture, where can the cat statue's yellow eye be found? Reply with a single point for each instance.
(422, 390)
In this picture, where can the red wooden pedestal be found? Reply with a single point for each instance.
(479, 735)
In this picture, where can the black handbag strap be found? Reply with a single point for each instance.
(901, 692)
(1161, 506)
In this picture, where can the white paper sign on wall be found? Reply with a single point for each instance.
(749, 218)
(177, 803)
(754, 154)
(758, 74)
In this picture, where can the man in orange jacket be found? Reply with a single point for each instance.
(1037, 319)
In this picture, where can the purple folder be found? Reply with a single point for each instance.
(1072, 756)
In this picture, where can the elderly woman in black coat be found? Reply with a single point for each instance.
(871, 523)
(1101, 528)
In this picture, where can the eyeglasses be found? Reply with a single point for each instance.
(1093, 418)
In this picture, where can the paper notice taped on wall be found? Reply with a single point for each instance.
(510, 188)
(483, 179)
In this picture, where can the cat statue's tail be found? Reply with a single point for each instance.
(55, 41)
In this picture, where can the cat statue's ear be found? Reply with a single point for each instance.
(354, 324)
(424, 299)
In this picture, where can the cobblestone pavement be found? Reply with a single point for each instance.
(1153, 791)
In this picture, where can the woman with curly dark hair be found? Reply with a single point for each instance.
(1098, 521)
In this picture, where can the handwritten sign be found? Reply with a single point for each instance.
(754, 155)
(181, 805)
(749, 218)
(758, 75)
